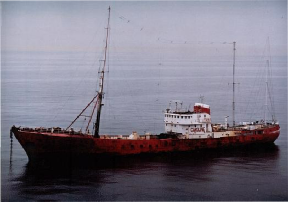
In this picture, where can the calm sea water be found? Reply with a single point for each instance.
(50, 89)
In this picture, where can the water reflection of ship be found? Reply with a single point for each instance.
(42, 182)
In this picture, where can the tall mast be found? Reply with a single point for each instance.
(233, 102)
(266, 92)
(101, 83)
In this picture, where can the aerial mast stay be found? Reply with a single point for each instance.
(101, 83)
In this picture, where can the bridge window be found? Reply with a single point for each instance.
(181, 117)
(178, 117)
(204, 115)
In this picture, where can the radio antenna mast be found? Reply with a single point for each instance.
(233, 102)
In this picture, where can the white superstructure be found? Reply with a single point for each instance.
(192, 125)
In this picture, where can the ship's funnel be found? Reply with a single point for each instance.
(201, 108)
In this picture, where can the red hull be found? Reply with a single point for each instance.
(39, 145)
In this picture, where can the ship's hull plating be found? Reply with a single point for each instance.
(44, 145)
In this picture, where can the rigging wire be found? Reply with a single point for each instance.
(91, 116)
(162, 41)
(61, 108)
(257, 95)
(271, 83)
(83, 123)
(183, 42)
(128, 87)
(257, 82)
(81, 81)
(142, 28)
(179, 42)
(158, 85)
(82, 112)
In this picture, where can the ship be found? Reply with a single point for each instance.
(185, 130)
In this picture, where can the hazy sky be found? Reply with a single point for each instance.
(79, 26)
